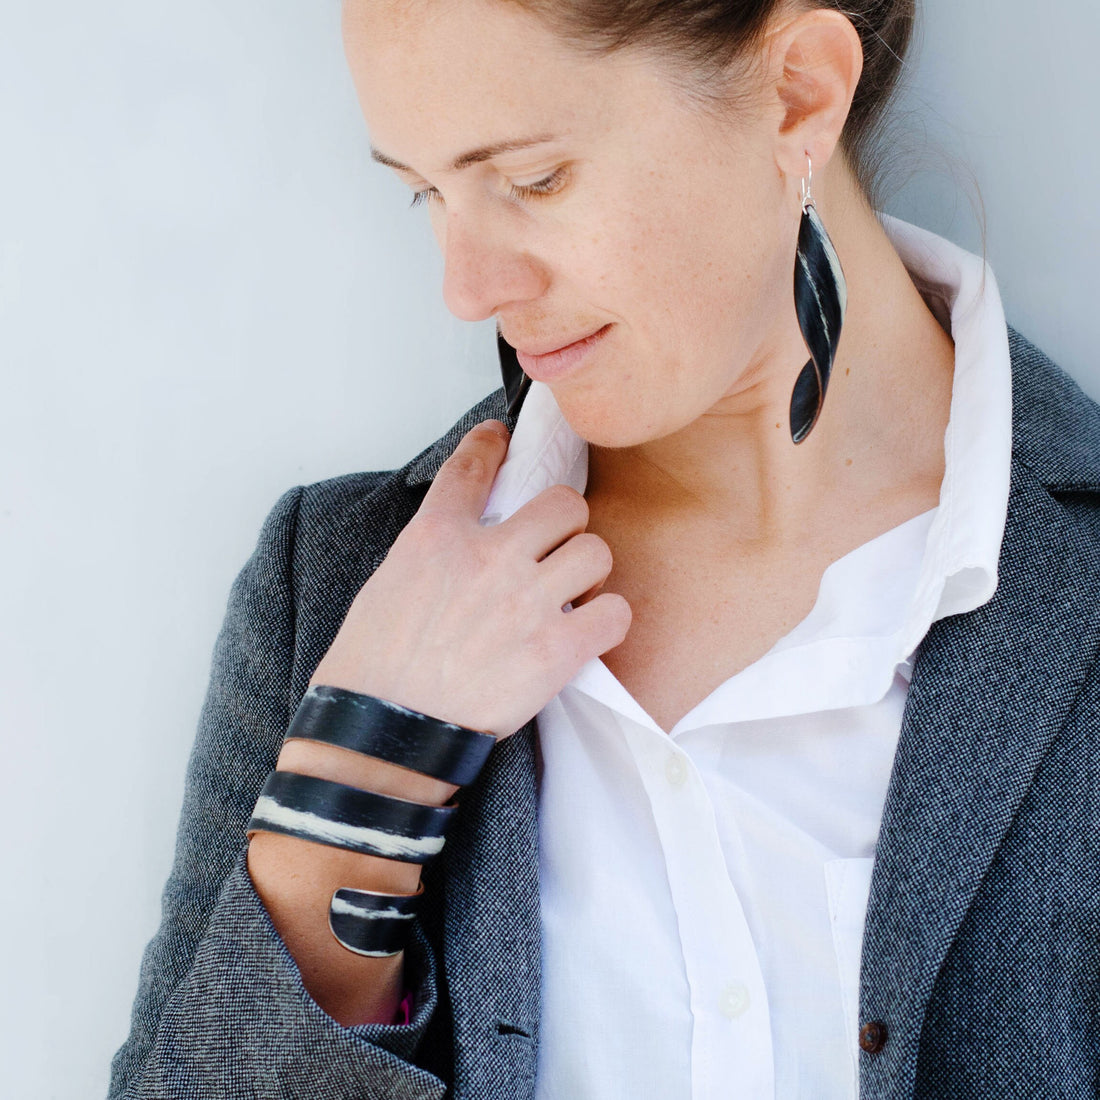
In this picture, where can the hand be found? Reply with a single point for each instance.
(466, 623)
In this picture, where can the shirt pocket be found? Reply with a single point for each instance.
(848, 886)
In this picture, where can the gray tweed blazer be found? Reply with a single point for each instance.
(982, 946)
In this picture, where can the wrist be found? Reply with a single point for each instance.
(290, 873)
(362, 794)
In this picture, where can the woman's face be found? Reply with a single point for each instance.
(578, 196)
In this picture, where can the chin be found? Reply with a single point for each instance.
(614, 424)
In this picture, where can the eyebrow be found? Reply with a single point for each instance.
(472, 156)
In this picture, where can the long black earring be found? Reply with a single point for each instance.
(516, 383)
(820, 299)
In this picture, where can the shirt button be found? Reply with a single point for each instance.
(735, 1001)
(872, 1036)
(676, 770)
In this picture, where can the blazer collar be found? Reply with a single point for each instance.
(426, 464)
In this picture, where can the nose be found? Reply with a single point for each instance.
(484, 269)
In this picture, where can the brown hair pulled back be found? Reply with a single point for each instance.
(709, 35)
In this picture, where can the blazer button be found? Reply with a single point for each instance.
(872, 1037)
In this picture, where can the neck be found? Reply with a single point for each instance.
(877, 448)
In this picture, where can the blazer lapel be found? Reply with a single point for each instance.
(491, 940)
(989, 693)
(491, 931)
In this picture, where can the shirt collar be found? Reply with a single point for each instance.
(964, 543)
(544, 451)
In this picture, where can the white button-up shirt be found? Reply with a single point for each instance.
(703, 892)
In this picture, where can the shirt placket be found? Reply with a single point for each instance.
(731, 1055)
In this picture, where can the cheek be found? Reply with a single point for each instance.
(699, 289)
(714, 288)
(604, 254)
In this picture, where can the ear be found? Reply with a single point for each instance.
(817, 59)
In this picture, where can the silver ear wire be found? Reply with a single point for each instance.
(807, 186)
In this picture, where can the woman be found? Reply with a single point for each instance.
(763, 625)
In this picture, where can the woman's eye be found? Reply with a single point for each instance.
(550, 185)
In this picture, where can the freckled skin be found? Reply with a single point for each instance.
(675, 226)
(642, 238)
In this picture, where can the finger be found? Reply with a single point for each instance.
(584, 597)
(600, 625)
(549, 520)
(577, 567)
(462, 485)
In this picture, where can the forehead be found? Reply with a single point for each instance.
(458, 33)
(437, 76)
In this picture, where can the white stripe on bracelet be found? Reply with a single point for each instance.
(312, 827)
(347, 908)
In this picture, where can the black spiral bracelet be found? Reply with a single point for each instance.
(330, 813)
(372, 924)
(366, 922)
(386, 731)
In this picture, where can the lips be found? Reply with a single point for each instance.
(556, 361)
(532, 353)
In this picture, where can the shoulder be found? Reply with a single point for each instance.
(1054, 500)
(1055, 425)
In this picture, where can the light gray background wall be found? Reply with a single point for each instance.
(207, 294)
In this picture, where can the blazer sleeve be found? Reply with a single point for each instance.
(221, 1010)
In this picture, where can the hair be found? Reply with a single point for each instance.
(709, 35)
